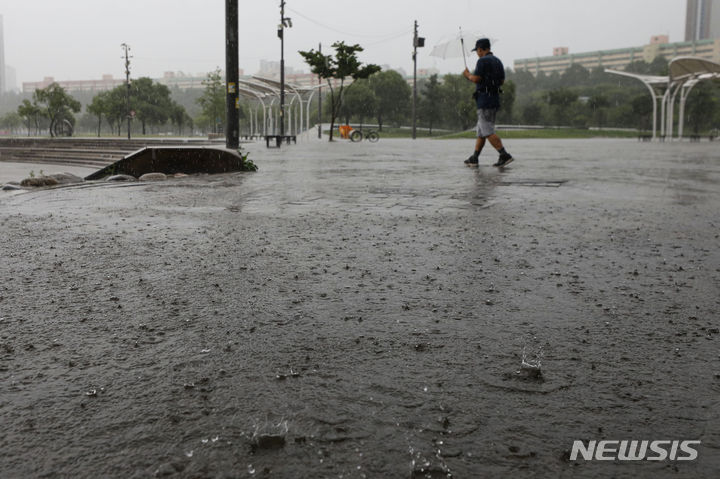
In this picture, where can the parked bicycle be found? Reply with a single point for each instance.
(371, 135)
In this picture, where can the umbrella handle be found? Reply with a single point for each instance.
(462, 42)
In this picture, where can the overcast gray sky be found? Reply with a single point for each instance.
(80, 39)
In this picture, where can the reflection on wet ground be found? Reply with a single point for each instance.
(367, 310)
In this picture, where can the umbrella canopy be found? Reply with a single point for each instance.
(459, 45)
(453, 47)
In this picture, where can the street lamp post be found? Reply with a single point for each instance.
(126, 47)
(319, 100)
(417, 42)
(232, 75)
(285, 22)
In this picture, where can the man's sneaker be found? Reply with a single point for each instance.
(472, 161)
(504, 160)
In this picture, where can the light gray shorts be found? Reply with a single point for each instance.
(486, 122)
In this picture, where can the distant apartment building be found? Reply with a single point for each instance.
(618, 59)
(702, 21)
(271, 69)
(702, 39)
(186, 81)
(106, 83)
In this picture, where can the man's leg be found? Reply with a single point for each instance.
(495, 141)
(505, 157)
(479, 143)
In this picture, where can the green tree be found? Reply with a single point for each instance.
(598, 104)
(641, 112)
(12, 121)
(459, 110)
(393, 97)
(560, 101)
(116, 112)
(429, 110)
(31, 113)
(574, 76)
(180, 118)
(98, 107)
(204, 123)
(212, 101)
(532, 113)
(523, 79)
(151, 102)
(701, 107)
(599, 77)
(659, 66)
(507, 102)
(343, 65)
(56, 105)
(359, 101)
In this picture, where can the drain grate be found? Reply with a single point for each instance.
(535, 183)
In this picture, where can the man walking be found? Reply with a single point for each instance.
(488, 77)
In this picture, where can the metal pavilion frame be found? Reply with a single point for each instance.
(251, 94)
(685, 74)
(297, 94)
(267, 92)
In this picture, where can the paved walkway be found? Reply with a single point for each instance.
(10, 171)
(371, 306)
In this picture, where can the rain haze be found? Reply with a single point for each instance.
(81, 39)
(508, 274)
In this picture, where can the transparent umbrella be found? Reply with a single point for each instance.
(458, 45)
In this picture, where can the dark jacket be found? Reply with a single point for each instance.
(492, 73)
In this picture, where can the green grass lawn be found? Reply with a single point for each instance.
(550, 133)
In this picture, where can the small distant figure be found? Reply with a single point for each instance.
(489, 76)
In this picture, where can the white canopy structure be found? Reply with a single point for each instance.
(297, 94)
(685, 73)
(657, 86)
(267, 92)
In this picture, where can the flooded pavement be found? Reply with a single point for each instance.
(11, 171)
(367, 310)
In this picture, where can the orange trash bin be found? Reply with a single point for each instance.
(345, 131)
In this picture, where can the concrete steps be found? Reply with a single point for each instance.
(88, 152)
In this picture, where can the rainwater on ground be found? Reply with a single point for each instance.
(367, 310)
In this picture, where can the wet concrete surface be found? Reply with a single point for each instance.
(363, 310)
(16, 172)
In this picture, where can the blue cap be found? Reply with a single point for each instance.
(483, 44)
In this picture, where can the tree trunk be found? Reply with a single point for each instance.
(99, 125)
(333, 111)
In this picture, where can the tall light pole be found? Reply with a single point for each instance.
(417, 42)
(127, 83)
(284, 23)
(232, 75)
(319, 100)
